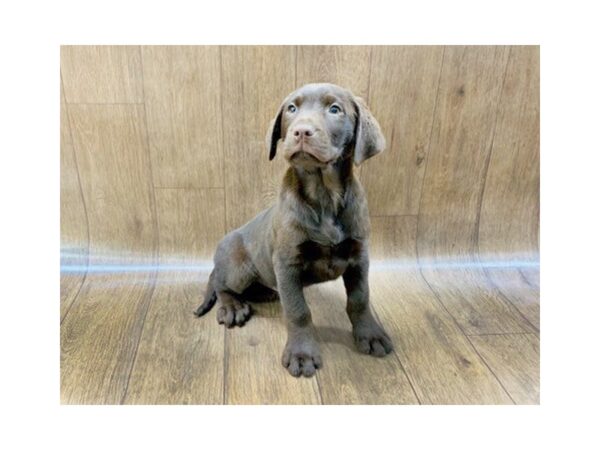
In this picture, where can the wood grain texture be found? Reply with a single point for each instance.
(347, 376)
(253, 361)
(180, 358)
(65, 129)
(438, 359)
(476, 304)
(532, 277)
(519, 290)
(168, 154)
(251, 98)
(509, 222)
(403, 90)
(99, 337)
(515, 359)
(462, 135)
(183, 95)
(112, 158)
(190, 222)
(344, 65)
(73, 220)
(100, 334)
(509, 217)
(101, 74)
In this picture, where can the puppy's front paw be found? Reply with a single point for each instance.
(301, 357)
(371, 339)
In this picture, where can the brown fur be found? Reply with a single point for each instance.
(317, 231)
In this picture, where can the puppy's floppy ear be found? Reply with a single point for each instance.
(274, 134)
(368, 137)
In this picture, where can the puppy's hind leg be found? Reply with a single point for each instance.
(233, 273)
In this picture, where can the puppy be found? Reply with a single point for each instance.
(317, 231)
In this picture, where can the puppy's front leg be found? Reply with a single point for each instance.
(369, 336)
(301, 355)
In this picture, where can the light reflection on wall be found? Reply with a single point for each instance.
(75, 261)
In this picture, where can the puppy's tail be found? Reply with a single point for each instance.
(210, 298)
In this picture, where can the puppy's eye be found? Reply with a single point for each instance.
(335, 109)
(292, 108)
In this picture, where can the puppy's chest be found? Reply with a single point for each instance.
(324, 262)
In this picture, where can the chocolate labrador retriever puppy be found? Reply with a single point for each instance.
(316, 231)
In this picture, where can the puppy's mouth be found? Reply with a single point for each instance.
(304, 151)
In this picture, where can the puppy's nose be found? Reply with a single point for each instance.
(303, 131)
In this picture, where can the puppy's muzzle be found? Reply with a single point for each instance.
(305, 143)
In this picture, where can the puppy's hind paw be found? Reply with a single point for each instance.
(232, 315)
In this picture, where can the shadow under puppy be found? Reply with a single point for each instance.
(316, 231)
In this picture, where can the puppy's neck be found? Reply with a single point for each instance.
(325, 188)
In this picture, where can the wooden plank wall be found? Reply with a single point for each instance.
(163, 151)
(459, 122)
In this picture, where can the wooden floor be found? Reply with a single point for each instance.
(464, 334)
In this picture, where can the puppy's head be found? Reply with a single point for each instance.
(321, 123)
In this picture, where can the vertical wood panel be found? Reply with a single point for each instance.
(65, 129)
(100, 334)
(344, 65)
(73, 221)
(404, 84)
(112, 158)
(463, 130)
(182, 89)
(180, 358)
(102, 74)
(255, 80)
(509, 221)
(191, 222)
